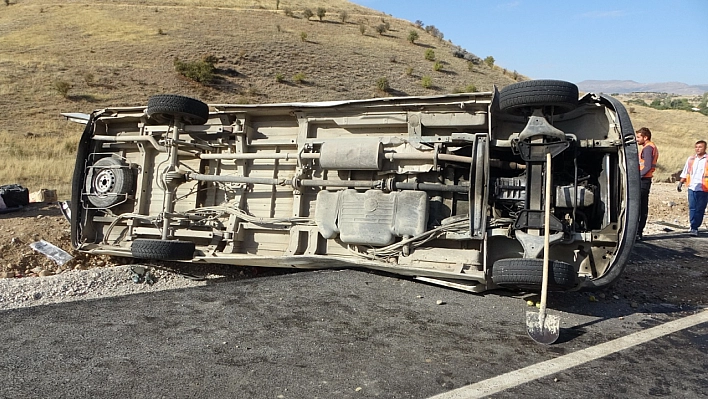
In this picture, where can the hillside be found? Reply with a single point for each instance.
(115, 53)
(674, 133)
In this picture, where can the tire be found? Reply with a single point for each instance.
(555, 96)
(162, 249)
(164, 108)
(528, 274)
(110, 182)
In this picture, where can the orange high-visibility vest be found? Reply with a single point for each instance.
(655, 158)
(705, 173)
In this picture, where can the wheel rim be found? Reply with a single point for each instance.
(104, 182)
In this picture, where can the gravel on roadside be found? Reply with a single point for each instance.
(73, 285)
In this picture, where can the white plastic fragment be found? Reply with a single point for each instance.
(51, 251)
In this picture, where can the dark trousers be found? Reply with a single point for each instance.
(644, 187)
(697, 202)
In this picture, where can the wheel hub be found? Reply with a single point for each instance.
(104, 182)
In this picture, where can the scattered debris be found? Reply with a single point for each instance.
(51, 251)
(65, 208)
(44, 196)
(141, 274)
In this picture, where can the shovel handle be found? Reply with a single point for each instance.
(546, 238)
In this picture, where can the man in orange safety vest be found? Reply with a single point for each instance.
(648, 157)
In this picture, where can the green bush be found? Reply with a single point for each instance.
(307, 14)
(362, 28)
(438, 66)
(671, 103)
(489, 61)
(413, 36)
(430, 54)
(321, 12)
(470, 88)
(380, 29)
(199, 71)
(299, 77)
(435, 32)
(288, 12)
(62, 87)
(383, 85)
(409, 71)
(343, 16)
(212, 59)
(303, 36)
(426, 81)
(279, 77)
(638, 101)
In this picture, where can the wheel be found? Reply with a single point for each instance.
(555, 96)
(162, 249)
(528, 274)
(163, 108)
(110, 182)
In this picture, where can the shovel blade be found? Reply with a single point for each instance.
(543, 329)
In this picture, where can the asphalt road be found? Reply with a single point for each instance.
(336, 334)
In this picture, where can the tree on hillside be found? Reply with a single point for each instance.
(489, 61)
(307, 13)
(435, 32)
(412, 36)
(321, 12)
(343, 16)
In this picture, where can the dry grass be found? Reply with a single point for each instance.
(128, 47)
(674, 132)
(40, 160)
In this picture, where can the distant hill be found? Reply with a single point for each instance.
(630, 86)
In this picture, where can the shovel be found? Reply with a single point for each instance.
(541, 327)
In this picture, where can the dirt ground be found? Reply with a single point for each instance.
(659, 256)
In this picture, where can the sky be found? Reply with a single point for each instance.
(649, 41)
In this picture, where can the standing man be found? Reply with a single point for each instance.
(648, 156)
(695, 174)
